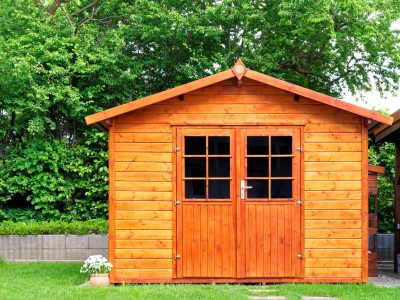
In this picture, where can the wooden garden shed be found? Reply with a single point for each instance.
(238, 177)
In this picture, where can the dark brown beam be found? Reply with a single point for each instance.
(385, 134)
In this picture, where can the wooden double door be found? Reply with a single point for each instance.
(238, 206)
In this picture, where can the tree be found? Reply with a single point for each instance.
(384, 155)
(61, 60)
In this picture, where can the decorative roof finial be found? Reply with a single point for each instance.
(239, 69)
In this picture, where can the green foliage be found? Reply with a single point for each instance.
(54, 227)
(384, 155)
(59, 65)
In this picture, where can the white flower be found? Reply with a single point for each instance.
(96, 264)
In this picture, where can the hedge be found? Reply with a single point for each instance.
(54, 227)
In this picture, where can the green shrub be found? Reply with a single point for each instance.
(54, 227)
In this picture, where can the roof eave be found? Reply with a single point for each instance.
(239, 70)
(296, 89)
(152, 99)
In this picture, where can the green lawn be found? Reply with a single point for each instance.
(60, 281)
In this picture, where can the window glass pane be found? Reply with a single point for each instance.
(195, 167)
(195, 145)
(218, 145)
(257, 167)
(257, 145)
(281, 189)
(259, 189)
(281, 167)
(281, 145)
(195, 189)
(219, 189)
(218, 167)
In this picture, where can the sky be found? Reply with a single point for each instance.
(373, 100)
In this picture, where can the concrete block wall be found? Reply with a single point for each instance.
(52, 247)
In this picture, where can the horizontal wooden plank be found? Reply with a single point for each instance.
(332, 243)
(143, 234)
(332, 137)
(143, 205)
(143, 253)
(332, 214)
(233, 81)
(143, 215)
(332, 166)
(323, 204)
(242, 90)
(332, 128)
(143, 224)
(143, 244)
(332, 233)
(141, 167)
(235, 107)
(143, 273)
(144, 147)
(142, 137)
(332, 253)
(333, 272)
(142, 157)
(335, 175)
(332, 147)
(332, 224)
(144, 176)
(332, 195)
(143, 263)
(143, 186)
(332, 156)
(233, 119)
(142, 128)
(333, 263)
(332, 186)
(129, 195)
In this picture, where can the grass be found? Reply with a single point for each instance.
(62, 280)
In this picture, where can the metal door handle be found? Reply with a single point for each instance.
(242, 188)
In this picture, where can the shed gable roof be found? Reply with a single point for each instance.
(239, 70)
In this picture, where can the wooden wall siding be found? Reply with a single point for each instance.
(143, 173)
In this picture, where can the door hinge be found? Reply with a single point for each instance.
(300, 149)
(300, 256)
(177, 202)
(300, 202)
(177, 149)
(177, 256)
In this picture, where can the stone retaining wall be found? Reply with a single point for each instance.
(52, 247)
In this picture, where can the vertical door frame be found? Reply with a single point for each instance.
(239, 220)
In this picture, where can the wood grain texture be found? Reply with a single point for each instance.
(331, 184)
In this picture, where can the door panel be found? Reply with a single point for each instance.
(206, 215)
(272, 244)
(269, 215)
(208, 248)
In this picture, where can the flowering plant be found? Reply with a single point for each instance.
(96, 264)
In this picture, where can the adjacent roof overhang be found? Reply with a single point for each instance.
(387, 133)
(239, 70)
